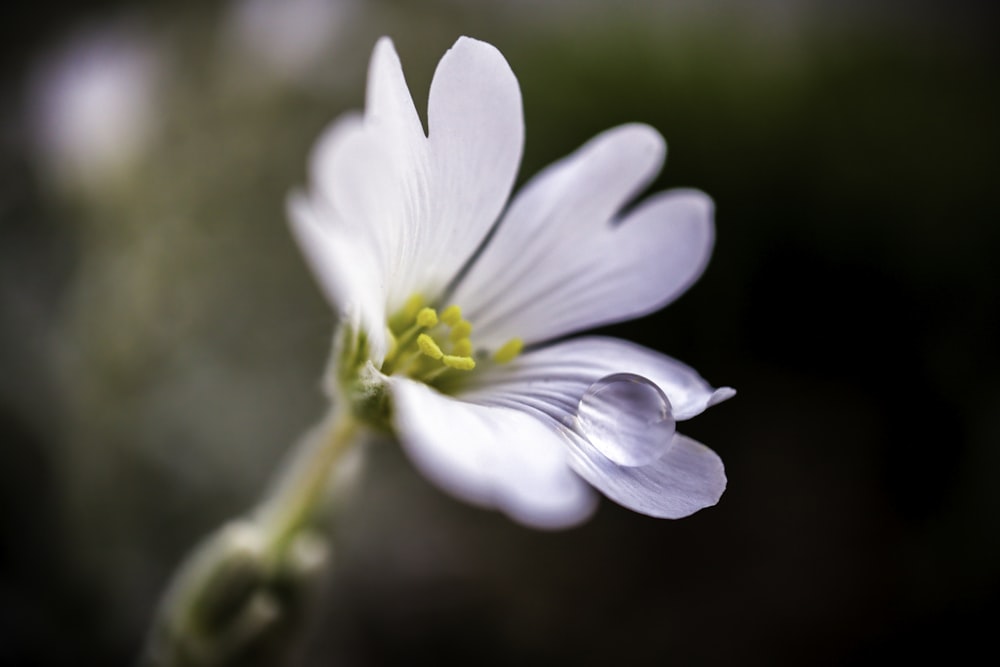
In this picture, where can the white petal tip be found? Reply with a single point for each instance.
(696, 200)
(646, 136)
(384, 42)
(721, 394)
(466, 42)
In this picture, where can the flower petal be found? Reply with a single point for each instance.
(549, 383)
(343, 266)
(689, 477)
(369, 171)
(388, 104)
(494, 457)
(426, 203)
(476, 134)
(552, 379)
(559, 262)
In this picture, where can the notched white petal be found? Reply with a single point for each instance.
(555, 377)
(425, 201)
(687, 478)
(344, 268)
(493, 457)
(476, 135)
(587, 266)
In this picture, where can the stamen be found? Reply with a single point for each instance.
(419, 349)
(508, 351)
(429, 347)
(460, 330)
(427, 317)
(462, 348)
(460, 363)
(451, 315)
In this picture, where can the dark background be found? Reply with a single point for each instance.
(162, 342)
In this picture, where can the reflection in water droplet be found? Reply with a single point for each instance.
(627, 418)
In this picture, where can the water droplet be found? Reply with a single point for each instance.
(627, 418)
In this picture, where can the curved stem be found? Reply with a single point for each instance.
(298, 492)
(243, 585)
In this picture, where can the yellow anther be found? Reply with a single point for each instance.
(508, 351)
(462, 348)
(427, 317)
(451, 315)
(460, 330)
(461, 363)
(429, 347)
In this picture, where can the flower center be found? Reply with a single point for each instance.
(427, 345)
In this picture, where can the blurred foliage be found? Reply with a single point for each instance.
(161, 345)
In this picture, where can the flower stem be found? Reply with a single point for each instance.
(300, 488)
(238, 597)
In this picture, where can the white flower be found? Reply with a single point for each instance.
(94, 104)
(436, 309)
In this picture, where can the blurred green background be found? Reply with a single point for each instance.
(162, 343)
